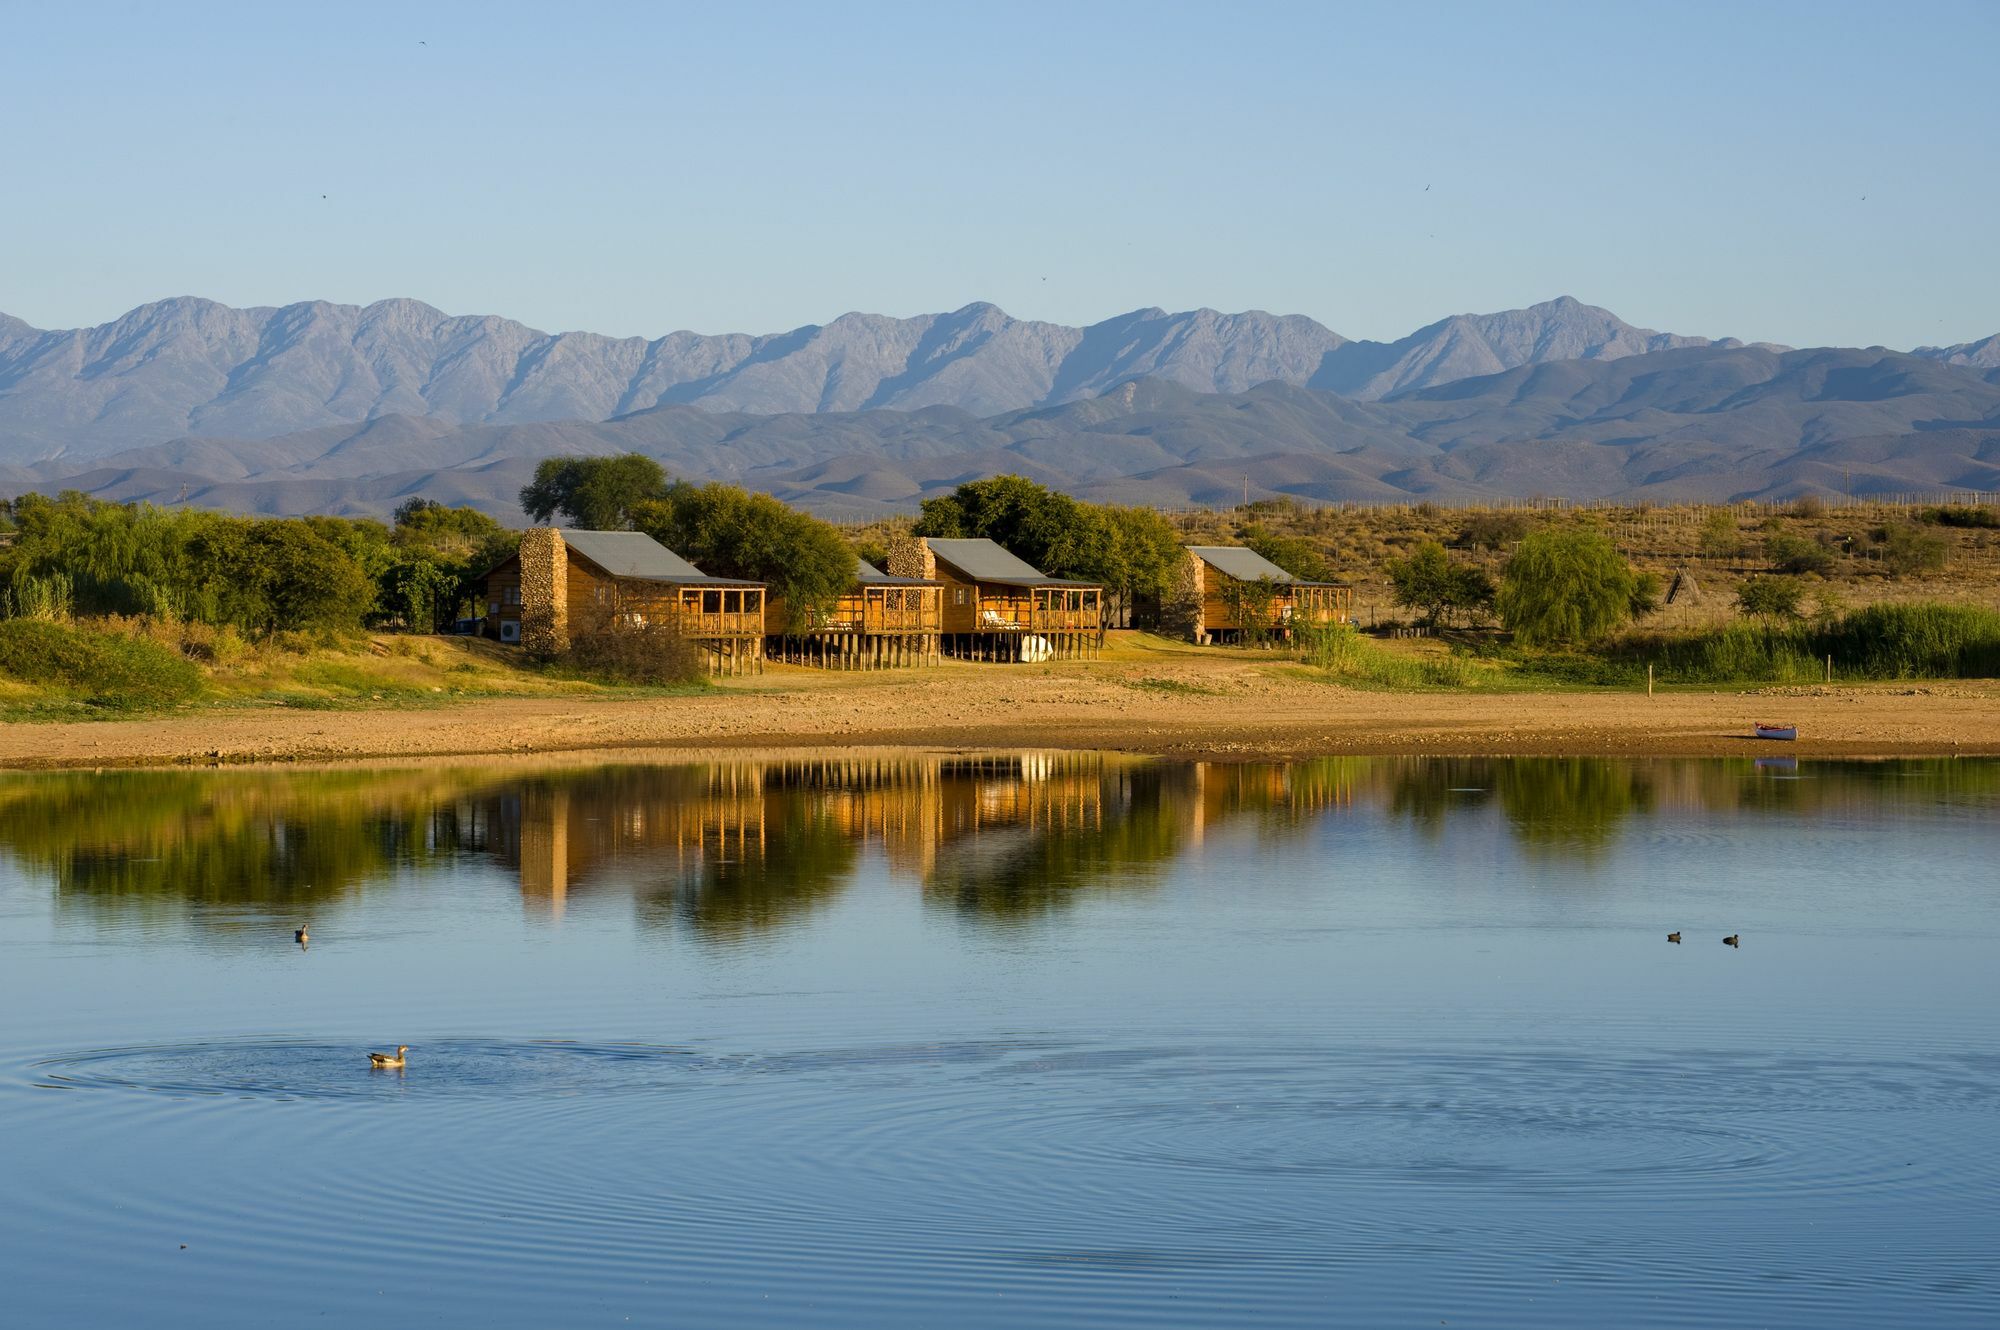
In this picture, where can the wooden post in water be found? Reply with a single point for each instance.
(1649, 678)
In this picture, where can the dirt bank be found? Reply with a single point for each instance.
(1208, 706)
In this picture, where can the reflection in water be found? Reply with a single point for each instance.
(728, 850)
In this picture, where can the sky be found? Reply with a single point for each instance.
(1813, 174)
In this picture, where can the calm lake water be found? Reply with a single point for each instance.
(1000, 1041)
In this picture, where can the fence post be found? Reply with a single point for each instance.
(1649, 678)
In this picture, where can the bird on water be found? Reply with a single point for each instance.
(395, 1059)
(299, 935)
(1733, 940)
(1673, 937)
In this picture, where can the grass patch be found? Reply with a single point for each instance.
(1341, 652)
(1172, 687)
(108, 671)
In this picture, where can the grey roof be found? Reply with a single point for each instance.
(868, 574)
(636, 554)
(984, 561)
(1239, 562)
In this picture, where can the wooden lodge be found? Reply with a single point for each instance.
(1221, 584)
(883, 622)
(565, 581)
(996, 606)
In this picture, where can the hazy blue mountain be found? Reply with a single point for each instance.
(1982, 354)
(189, 367)
(1704, 422)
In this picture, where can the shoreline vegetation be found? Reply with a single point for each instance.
(128, 632)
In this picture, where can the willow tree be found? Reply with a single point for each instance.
(1565, 586)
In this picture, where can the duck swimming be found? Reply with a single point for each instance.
(395, 1059)
(1733, 940)
(299, 935)
(1673, 937)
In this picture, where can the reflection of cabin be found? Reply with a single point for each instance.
(568, 582)
(998, 607)
(880, 623)
(1225, 585)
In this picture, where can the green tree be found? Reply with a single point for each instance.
(278, 575)
(727, 531)
(1129, 551)
(1291, 553)
(595, 493)
(1566, 585)
(1429, 582)
(1770, 597)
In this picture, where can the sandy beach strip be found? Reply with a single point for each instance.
(1211, 709)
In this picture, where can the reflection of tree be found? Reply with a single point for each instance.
(1570, 804)
(268, 839)
(801, 859)
(1110, 828)
(1428, 791)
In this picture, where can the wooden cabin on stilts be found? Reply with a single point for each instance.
(883, 622)
(1231, 593)
(565, 582)
(997, 607)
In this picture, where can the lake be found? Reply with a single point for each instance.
(997, 1040)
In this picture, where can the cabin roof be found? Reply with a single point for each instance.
(982, 560)
(1242, 563)
(635, 554)
(867, 574)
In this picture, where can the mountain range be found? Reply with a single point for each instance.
(189, 367)
(331, 408)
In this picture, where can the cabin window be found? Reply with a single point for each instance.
(511, 595)
(603, 593)
(958, 595)
(492, 607)
(711, 602)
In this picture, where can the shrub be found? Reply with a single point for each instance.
(1566, 585)
(1909, 550)
(1976, 516)
(105, 669)
(1719, 537)
(1770, 597)
(1796, 554)
(1493, 531)
(1809, 506)
(617, 650)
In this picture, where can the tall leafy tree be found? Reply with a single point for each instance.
(596, 493)
(1430, 583)
(728, 531)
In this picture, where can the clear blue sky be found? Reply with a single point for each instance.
(636, 169)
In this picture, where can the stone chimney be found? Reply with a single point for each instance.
(544, 592)
(910, 556)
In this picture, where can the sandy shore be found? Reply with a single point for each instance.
(1211, 707)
